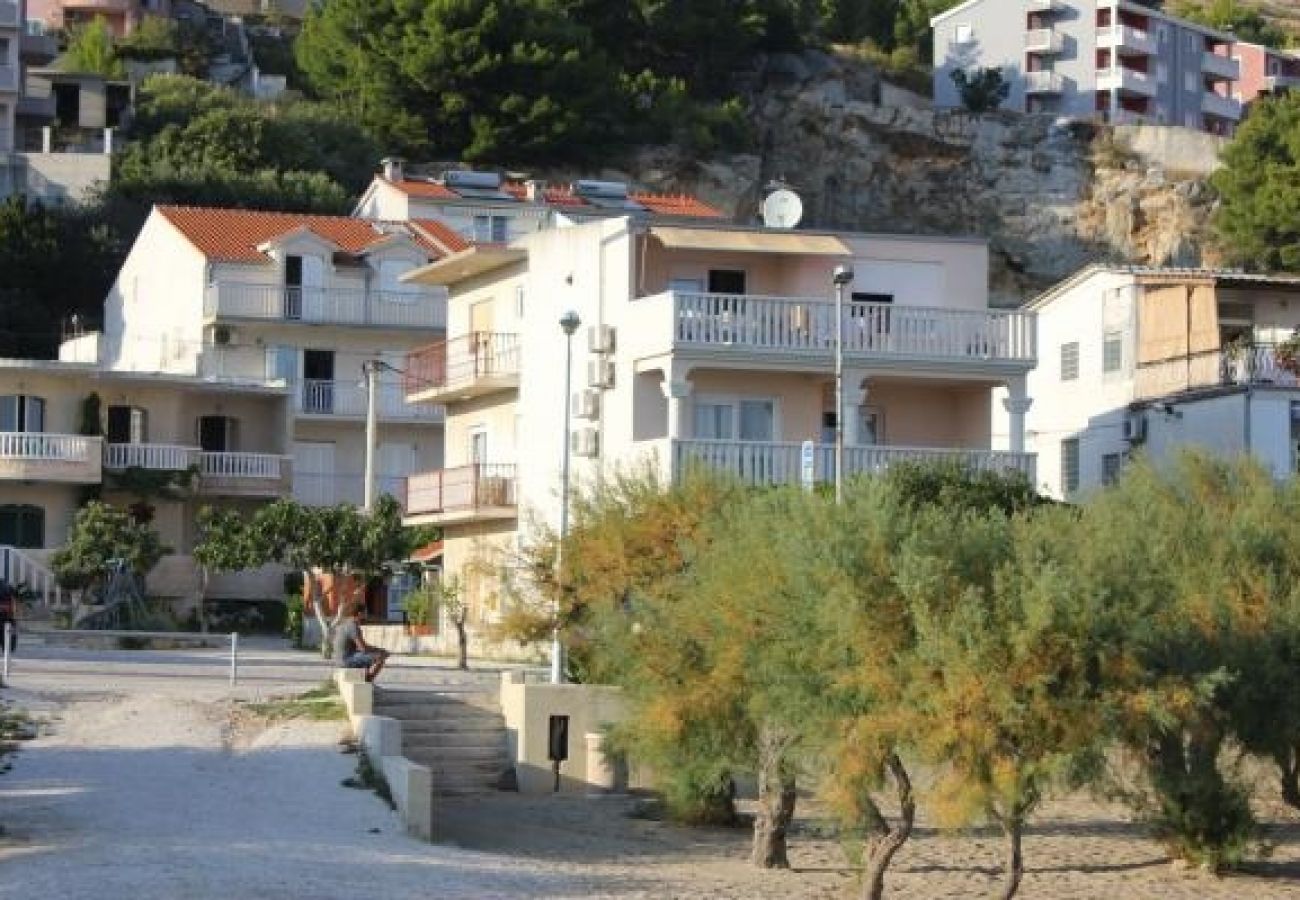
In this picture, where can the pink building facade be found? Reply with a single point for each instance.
(122, 16)
(1265, 71)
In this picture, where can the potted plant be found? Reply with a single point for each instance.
(419, 605)
(1238, 358)
(1287, 355)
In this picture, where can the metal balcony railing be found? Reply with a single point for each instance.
(466, 489)
(462, 360)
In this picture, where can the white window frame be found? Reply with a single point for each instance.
(734, 401)
(1070, 480)
(1109, 339)
(963, 33)
(490, 228)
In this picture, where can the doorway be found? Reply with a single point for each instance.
(318, 381)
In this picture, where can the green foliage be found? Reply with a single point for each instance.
(1258, 220)
(981, 90)
(294, 619)
(100, 534)
(1246, 23)
(90, 51)
(154, 38)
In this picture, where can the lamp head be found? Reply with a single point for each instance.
(842, 275)
(570, 322)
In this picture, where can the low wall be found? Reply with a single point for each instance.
(527, 709)
(397, 639)
(380, 737)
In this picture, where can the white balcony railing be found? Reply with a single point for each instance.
(348, 399)
(336, 306)
(803, 325)
(1127, 37)
(37, 447)
(241, 465)
(765, 463)
(158, 457)
(1043, 40)
(1123, 78)
(1220, 66)
(1223, 107)
(1042, 83)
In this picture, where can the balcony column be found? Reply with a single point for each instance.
(856, 390)
(1017, 404)
(677, 390)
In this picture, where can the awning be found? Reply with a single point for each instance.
(465, 264)
(742, 241)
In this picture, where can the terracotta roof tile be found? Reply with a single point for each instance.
(422, 188)
(443, 236)
(233, 235)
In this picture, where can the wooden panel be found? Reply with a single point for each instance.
(1162, 322)
(1204, 319)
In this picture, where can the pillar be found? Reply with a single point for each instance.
(677, 390)
(1016, 404)
(47, 139)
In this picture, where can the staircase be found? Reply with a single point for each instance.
(20, 569)
(455, 729)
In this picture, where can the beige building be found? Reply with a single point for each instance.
(700, 344)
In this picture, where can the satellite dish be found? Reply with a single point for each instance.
(782, 209)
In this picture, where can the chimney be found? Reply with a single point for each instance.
(535, 191)
(394, 168)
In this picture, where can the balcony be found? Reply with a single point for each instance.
(323, 306)
(462, 368)
(155, 457)
(799, 332)
(31, 456)
(9, 14)
(762, 463)
(1043, 40)
(1253, 365)
(1122, 78)
(1126, 39)
(1275, 83)
(347, 400)
(39, 48)
(1222, 107)
(1042, 83)
(477, 493)
(245, 474)
(1217, 66)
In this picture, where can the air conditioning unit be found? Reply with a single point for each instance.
(600, 373)
(600, 339)
(1135, 428)
(586, 404)
(585, 442)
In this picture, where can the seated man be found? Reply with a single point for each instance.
(351, 650)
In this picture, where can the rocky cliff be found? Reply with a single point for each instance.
(1049, 196)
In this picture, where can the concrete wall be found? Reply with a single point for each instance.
(1258, 421)
(58, 178)
(527, 709)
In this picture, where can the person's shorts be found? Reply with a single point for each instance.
(359, 661)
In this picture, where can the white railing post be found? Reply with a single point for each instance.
(8, 638)
(234, 658)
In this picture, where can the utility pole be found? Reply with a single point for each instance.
(842, 276)
(371, 369)
(569, 323)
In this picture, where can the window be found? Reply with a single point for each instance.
(478, 446)
(1070, 361)
(20, 412)
(757, 420)
(870, 426)
(686, 285)
(726, 281)
(729, 419)
(217, 434)
(1111, 463)
(963, 33)
(1112, 351)
(1069, 466)
(491, 228)
(126, 425)
(713, 421)
(22, 526)
(1189, 82)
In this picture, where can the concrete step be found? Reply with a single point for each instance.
(463, 714)
(469, 768)
(450, 755)
(474, 697)
(429, 741)
(459, 726)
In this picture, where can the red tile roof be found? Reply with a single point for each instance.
(563, 196)
(441, 234)
(233, 235)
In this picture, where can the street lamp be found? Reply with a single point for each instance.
(569, 323)
(842, 277)
(370, 368)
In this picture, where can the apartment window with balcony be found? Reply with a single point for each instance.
(726, 281)
(729, 419)
(492, 229)
(318, 381)
(1070, 361)
(1069, 466)
(22, 526)
(126, 425)
(1112, 351)
(22, 412)
(217, 434)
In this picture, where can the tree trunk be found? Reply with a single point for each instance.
(882, 841)
(777, 795)
(1289, 763)
(318, 612)
(1012, 827)
(462, 645)
(204, 580)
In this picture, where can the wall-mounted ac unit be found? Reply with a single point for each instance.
(586, 404)
(600, 338)
(585, 442)
(600, 373)
(1135, 428)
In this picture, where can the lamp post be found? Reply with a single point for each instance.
(841, 277)
(569, 323)
(371, 369)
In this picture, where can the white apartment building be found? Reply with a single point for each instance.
(700, 345)
(12, 27)
(294, 300)
(1151, 360)
(487, 207)
(1116, 61)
